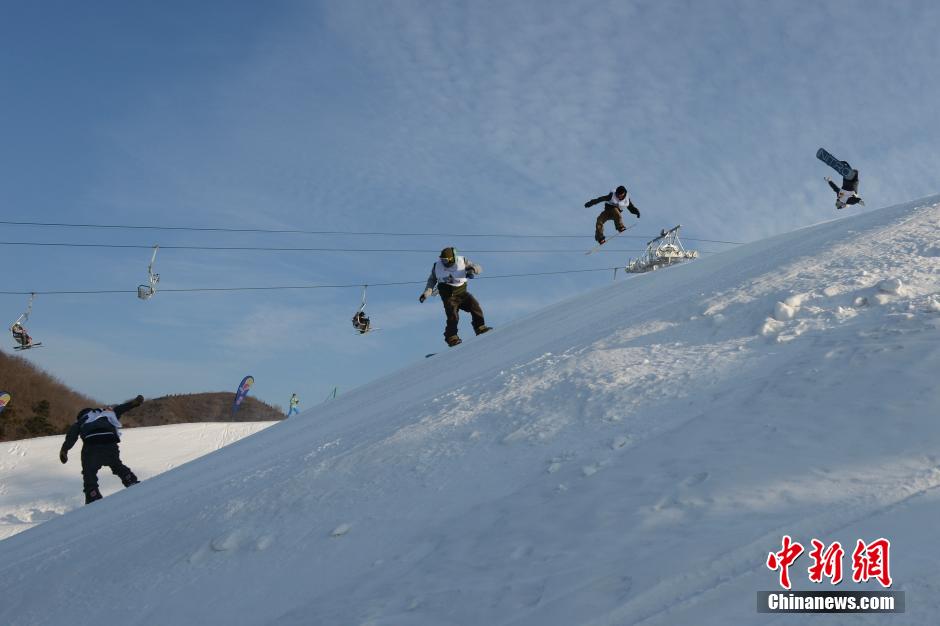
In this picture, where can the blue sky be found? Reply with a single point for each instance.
(457, 117)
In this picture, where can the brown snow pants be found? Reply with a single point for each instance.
(456, 301)
(610, 212)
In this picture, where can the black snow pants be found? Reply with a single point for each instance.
(456, 300)
(850, 182)
(96, 456)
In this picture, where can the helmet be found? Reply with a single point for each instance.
(621, 192)
(449, 256)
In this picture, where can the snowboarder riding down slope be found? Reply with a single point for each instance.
(449, 277)
(614, 203)
(848, 194)
(100, 431)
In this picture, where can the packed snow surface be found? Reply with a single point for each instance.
(35, 487)
(628, 456)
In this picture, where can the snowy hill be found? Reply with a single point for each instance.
(629, 456)
(35, 488)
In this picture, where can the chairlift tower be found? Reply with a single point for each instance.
(667, 249)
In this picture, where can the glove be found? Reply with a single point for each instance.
(64, 456)
(424, 296)
(587, 205)
(471, 273)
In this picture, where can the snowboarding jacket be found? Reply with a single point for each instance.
(97, 426)
(451, 279)
(610, 200)
(844, 196)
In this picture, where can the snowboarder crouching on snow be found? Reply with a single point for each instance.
(614, 203)
(449, 276)
(848, 194)
(100, 430)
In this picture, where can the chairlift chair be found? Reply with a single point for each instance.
(360, 320)
(145, 292)
(20, 334)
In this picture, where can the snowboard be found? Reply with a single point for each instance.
(842, 167)
(29, 347)
(598, 246)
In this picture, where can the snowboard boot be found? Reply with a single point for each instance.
(129, 479)
(482, 329)
(620, 230)
(601, 241)
(91, 496)
(452, 341)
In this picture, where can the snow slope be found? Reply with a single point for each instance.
(629, 456)
(35, 487)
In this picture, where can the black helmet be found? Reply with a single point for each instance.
(621, 192)
(449, 256)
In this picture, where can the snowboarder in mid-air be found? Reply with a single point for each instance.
(100, 430)
(848, 193)
(614, 204)
(449, 277)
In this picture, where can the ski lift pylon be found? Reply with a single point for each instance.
(145, 292)
(666, 249)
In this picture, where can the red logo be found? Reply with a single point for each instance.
(784, 559)
(869, 561)
(826, 563)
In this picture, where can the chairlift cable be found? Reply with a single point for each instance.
(298, 231)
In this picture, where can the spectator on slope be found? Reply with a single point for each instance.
(294, 402)
(100, 430)
(449, 277)
(848, 194)
(614, 203)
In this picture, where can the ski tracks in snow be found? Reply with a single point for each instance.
(658, 603)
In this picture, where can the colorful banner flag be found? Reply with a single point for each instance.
(4, 400)
(243, 388)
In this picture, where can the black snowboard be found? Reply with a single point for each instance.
(842, 167)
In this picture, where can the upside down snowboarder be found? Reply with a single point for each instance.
(100, 430)
(847, 194)
(449, 276)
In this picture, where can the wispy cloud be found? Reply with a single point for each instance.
(425, 116)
